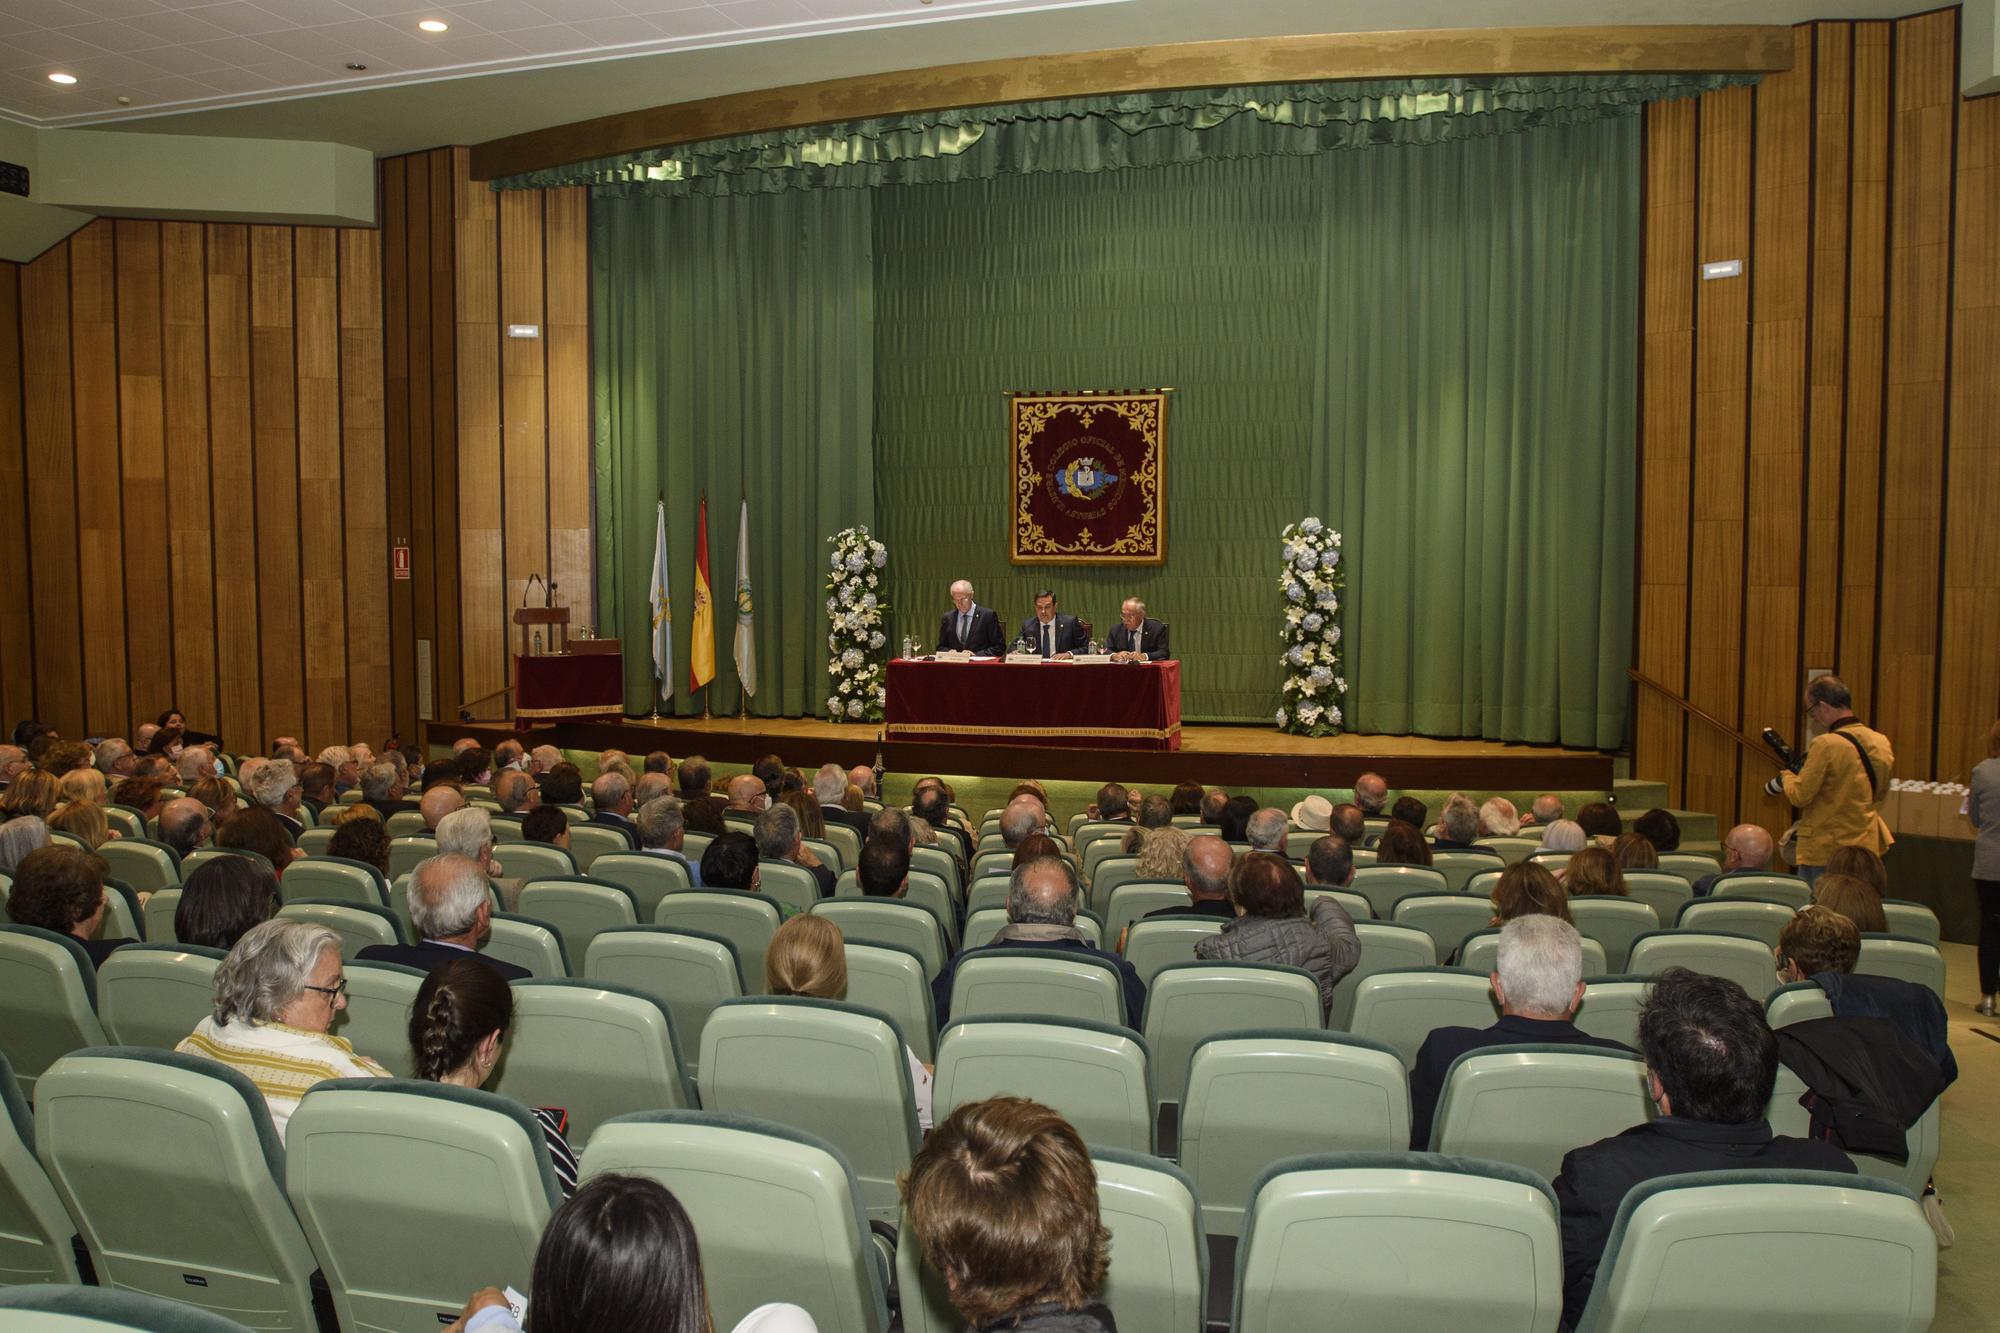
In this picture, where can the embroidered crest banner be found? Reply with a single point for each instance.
(1089, 474)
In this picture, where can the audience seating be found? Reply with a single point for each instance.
(1759, 918)
(1614, 922)
(1745, 1251)
(126, 822)
(793, 888)
(526, 942)
(124, 918)
(693, 844)
(201, 856)
(1354, 904)
(211, 1161)
(76, 1309)
(1743, 959)
(746, 920)
(1158, 1275)
(154, 994)
(1690, 866)
(688, 971)
(589, 841)
(1664, 893)
(824, 1068)
(1094, 1075)
(596, 1049)
(1611, 1007)
(778, 1213)
(1401, 1008)
(1796, 1002)
(1920, 1140)
(35, 1230)
(48, 1001)
(1446, 917)
(1135, 898)
(1398, 1240)
(1512, 850)
(334, 879)
(648, 878)
(1164, 941)
(1530, 1105)
(1191, 1002)
(1913, 921)
(1101, 853)
(579, 908)
(1049, 984)
(530, 861)
(1255, 1097)
(144, 864)
(1383, 885)
(983, 925)
(988, 892)
(1896, 956)
(891, 981)
(1458, 868)
(407, 852)
(1790, 890)
(414, 1194)
(847, 843)
(925, 889)
(357, 924)
(1384, 948)
(314, 841)
(376, 1022)
(404, 823)
(1481, 953)
(891, 921)
(1553, 862)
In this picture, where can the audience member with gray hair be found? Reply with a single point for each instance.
(114, 758)
(1543, 811)
(451, 906)
(275, 786)
(543, 758)
(382, 786)
(650, 786)
(18, 837)
(13, 762)
(1041, 914)
(184, 825)
(1265, 831)
(1458, 826)
(779, 838)
(611, 802)
(1023, 816)
(276, 996)
(469, 833)
(1538, 983)
(194, 765)
(438, 802)
(1498, 818)
(1565, 835)
(662, 825)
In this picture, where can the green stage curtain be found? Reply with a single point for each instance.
(733, 348)
(1474, 430)
(1109, 133)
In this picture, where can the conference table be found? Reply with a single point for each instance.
(1098, 705)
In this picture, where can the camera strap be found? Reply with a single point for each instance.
(1874, 788)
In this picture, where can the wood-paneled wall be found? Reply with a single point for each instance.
(190, 437)
(489, 436)
(1820, 438)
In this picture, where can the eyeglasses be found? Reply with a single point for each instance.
(333, 992)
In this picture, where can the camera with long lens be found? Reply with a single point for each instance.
(1786, 754)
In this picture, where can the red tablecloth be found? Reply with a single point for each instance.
(1107, 705)
(570, 687)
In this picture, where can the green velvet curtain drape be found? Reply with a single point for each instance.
(1474, 430)
(734, 345)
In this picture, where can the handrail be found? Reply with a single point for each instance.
(465, 709)
(1748, 742)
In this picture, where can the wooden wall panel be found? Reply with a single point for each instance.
(392, 193)
(572, 559)
(423, 441)
(446, 166)
(17, 647)
(364, 489)
(182, 390)
(524, 412)
(1858, 534)
(485, 464)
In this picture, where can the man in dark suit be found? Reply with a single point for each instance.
(611, 795)
(1050, 632)
(1538, 980)
(929, 802)
(699, 806)
(829, 789)
(1041, 914)
(382, 787)
(452, 908)
(1137, 637)
(969, 627)
(1711, 1062)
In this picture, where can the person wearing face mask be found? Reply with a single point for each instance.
(1840, 784)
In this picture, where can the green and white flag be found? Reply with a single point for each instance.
(746, 640)
(663, 608)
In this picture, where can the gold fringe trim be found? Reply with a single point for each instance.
(909, 729)
(601, 709)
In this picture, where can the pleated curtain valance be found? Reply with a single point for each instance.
(1111, 133)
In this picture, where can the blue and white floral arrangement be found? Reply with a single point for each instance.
(856, 609)
(1311, 584)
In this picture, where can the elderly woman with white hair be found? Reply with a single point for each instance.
(1498, 818)
(1565, 835)
(276, 995)
(18, 837)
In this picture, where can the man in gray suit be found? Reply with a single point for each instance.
(1137, 637)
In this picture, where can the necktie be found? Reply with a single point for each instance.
(964, 627)
(1048, 643)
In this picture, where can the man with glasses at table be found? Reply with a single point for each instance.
(276, 996)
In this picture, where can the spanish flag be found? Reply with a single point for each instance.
(701, 653)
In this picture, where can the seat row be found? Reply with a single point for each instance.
(215, 1213)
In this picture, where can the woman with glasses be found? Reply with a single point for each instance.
(275, 997)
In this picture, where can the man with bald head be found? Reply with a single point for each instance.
(1371, 790)
(1022, 818)
(1041, 914)
(969, 627)
(1205, 870)
(1543, 811)
(611, 801)
(516, 792)
(1265, 831)
(863, 777)
(1745, 851)
(747, 795)
(439, 802)
(1349, 823)
(185, 824)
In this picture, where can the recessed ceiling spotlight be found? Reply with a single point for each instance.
(60, 77)
(356, 66)
(434, 25)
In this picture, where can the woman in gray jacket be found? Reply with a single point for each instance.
(1982, 807)
(1272, 925)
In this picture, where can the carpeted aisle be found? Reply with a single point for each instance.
(1968, 1169)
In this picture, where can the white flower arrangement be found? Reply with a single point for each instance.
(855, 613)
(1311, 582)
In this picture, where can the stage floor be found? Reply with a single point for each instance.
(1231, 756)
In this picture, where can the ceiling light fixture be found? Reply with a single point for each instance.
(434, 25)
(356, 66)
(62, 78)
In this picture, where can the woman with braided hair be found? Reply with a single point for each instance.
(457, 1028)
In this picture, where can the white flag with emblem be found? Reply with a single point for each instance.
(663, 608)
(746, 640)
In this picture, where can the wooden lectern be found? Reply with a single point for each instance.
(528, 616)
(571, 679)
